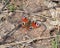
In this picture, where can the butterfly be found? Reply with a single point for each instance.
(27, 23)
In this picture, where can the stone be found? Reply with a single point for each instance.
(54, 22)
(50, 4)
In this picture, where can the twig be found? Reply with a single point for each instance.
(31, 40)
(10, 34)
(4, 6)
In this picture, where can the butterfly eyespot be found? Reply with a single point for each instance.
(31, 28)
(37, 25)
(23, 23)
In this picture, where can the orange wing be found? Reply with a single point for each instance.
(24, 19)
(34, 25)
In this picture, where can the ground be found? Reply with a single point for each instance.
(46, 12)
